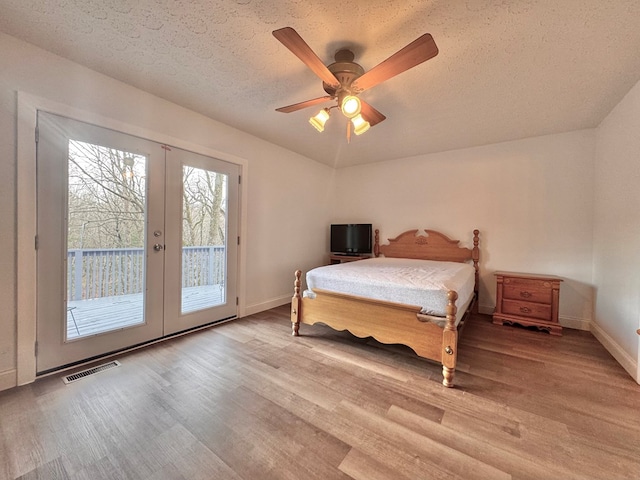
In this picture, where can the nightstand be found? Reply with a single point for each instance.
(334, 259)
(529, 300)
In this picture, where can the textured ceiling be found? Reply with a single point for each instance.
(507, 69)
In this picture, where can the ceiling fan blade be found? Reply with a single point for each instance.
(299, 106)
(294, 42)
(370, 114)
(420, 50)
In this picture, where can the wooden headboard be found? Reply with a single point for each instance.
(432, 246)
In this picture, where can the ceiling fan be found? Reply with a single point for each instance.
(344, 79)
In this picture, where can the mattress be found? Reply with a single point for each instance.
(424, 283)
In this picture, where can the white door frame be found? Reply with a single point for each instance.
(28, 106)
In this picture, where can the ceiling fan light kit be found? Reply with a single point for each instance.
(344, 79)
(360, 125)
(350, 106)
(319, 119)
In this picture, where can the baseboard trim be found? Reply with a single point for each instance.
(486, 309)
(629, 363)
(268, 305)
(575, 323)
(8, 380)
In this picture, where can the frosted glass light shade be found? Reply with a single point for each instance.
(360, 125)
(320, 119)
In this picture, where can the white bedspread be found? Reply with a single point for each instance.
(423, 283)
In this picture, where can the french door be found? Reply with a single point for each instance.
(136, 241)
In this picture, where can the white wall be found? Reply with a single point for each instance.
(7, 232)
(289, 212)
(286, 213)
(531, 199)
(616, 256)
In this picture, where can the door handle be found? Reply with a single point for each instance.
(157, 247)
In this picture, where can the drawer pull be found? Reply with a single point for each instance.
(525, 294)
(525, 309)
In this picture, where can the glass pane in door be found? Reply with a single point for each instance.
(204, 237)
(106, 202)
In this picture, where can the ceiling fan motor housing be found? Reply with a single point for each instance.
(346, 72)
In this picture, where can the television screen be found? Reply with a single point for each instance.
(352, 238)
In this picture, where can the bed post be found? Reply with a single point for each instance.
(296, 302)
(475, 256)
(450, 341)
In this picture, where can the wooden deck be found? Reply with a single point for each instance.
(90, 317)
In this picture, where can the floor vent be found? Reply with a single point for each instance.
(90, 371)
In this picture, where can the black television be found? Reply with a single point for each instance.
(351, 238)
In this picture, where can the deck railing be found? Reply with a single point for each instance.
(96, 273)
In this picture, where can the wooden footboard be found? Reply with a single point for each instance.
(389, 323)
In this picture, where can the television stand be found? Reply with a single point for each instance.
(335, 258)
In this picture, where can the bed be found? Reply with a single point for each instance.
(430, 330)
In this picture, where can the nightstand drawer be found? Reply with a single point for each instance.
(527, 290)
(526, 309)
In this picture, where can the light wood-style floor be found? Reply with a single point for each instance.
(245, 400)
